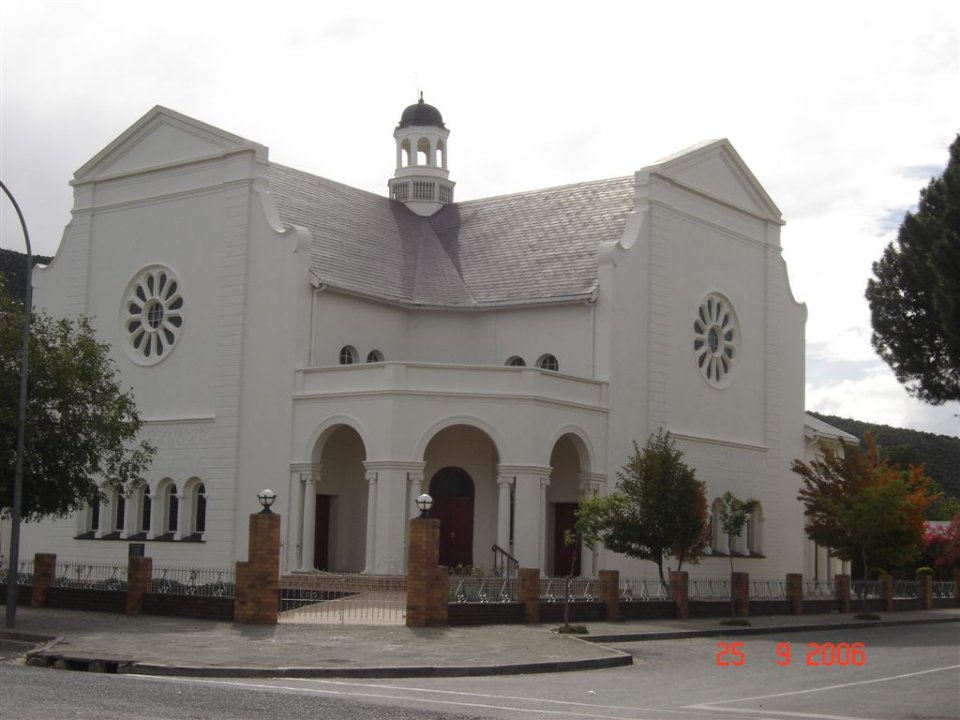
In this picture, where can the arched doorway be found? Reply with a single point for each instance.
(336, 538)
(452, 492)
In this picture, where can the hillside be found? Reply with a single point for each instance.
(940, 454)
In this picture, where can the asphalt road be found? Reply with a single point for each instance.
(899, 673)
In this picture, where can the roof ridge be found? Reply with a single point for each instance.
(548, 189)
(314, 176)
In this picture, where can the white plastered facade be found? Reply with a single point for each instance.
(253, 394)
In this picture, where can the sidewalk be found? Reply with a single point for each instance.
(179, 646)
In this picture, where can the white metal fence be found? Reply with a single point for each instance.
(343, 599)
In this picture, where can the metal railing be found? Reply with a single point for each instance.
(768, 590)
(90, 576)
(709, 589)
(484, 589)
(342, 599)
(942, 590)
(906, 589)
(198, 582)
(641, 589)
(866, 588)
(504, 564)
(819, 590)
(24, 572)
(579, 589)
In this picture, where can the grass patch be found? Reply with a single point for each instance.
(572, 630)
(739, 622)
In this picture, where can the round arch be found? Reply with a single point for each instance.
(581, 442)
(324, 430)
(467, 420)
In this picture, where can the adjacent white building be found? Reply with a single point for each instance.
(351, 350)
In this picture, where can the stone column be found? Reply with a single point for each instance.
(542, 515)
(139, 574)
(610, 593)
(371, 540)
(680, 594)
(390, 517)
(415, 483)
(182, 518)
(795, 593)
(529, 511)
(841, 585)
(44, 571)
(258, 579)
(590, 484)
(504, 487)
(308, 530)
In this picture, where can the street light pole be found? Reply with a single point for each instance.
(13, 576)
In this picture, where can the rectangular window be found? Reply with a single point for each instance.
(121, 511)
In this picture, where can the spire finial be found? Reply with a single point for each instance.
(421, 96)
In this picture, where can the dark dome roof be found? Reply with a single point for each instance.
(421, 114)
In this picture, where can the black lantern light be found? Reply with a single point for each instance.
(424, 503)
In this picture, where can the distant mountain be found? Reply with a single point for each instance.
(940, 454)
(13, 271)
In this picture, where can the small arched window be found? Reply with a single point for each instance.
(374, 356)
(548, 362)
(755, 532)
(173, 508)
(718, 541)
(348, 355)
(515, 361)
(146, 508)
(121, 511)
(200, 509)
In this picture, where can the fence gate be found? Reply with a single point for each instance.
(343, 599)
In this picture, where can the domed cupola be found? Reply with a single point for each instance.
(421, 181)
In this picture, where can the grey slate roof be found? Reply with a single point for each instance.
(538, 246)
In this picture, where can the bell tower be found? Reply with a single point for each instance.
(421, 181)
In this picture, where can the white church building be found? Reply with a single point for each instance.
(351, 350)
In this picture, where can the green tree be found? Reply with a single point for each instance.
(858, 505)
(915, 295)
(734, 515)
(658, 510)
(81, 427)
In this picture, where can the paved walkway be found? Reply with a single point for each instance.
(179, 646)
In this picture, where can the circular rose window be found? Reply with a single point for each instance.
(152, 315)
(716, 340)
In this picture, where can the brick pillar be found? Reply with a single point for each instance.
(530, 594)
(841, 586)
(44, 571)
(740, 587)
(610, 593)
(139, 574)
(926, 592)
(886, 591)
(258, 579)
(795, 593)
(428, 583)
(680, 594)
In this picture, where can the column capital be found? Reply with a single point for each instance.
(505, 479)
(544, 481)
(370, 476)
(415, 477)
(514, 470)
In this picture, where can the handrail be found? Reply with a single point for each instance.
(504, 564)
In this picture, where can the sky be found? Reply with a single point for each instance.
(842, 110)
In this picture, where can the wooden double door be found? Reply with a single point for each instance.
(452, 492)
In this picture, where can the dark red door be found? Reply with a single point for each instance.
(452, 491)
(565, 556)
(321, 538)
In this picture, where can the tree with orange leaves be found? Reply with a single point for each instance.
(859, 505)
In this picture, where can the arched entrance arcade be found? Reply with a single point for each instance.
(335, 504)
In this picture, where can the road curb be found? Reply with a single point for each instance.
(62, 661)
(777, 630)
